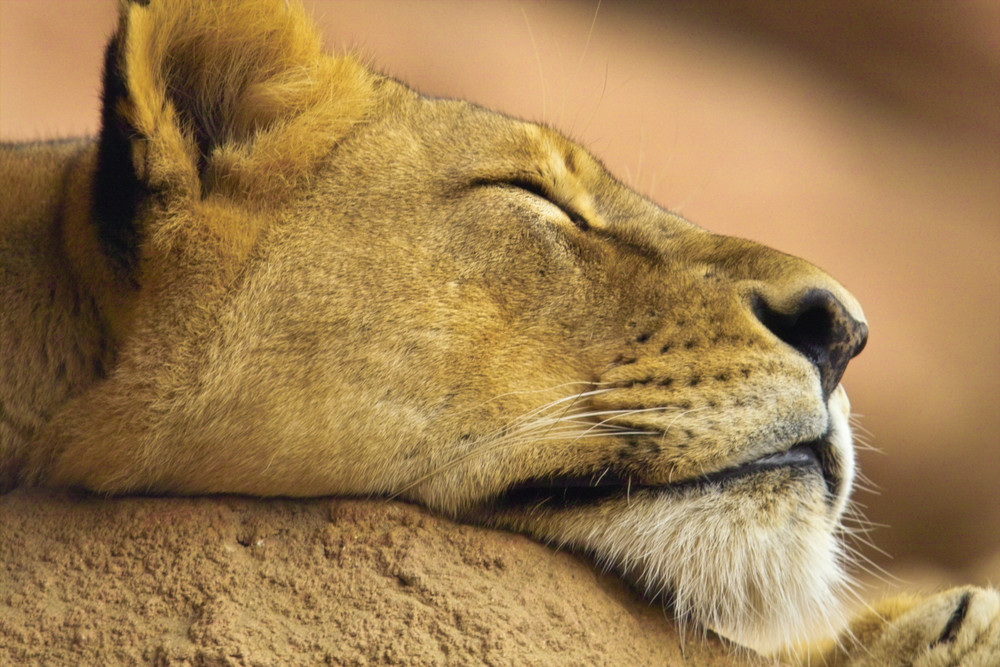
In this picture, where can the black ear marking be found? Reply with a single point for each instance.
(951, 628)
(117, 191)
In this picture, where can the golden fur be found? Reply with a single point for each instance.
(326, 283)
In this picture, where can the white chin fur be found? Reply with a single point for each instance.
(764, 577)
(842, 440)
(763, 573)
(759, 561)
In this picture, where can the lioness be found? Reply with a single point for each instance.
(277, 272)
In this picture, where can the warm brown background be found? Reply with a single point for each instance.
(863, 136)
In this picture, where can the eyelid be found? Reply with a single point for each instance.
(539, 190)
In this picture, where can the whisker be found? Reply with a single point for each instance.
(579, 65)
(538, 59)
(524, 392)
(505, 437)
(574, 438)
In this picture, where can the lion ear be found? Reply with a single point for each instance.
(228, 98)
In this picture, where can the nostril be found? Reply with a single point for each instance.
(809, 329)
(820, 328)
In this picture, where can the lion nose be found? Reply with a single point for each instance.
(821, 329)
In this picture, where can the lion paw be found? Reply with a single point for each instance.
(959, 627)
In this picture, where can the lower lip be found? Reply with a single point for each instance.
(804, 457)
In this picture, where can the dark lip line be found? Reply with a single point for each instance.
(587, 489)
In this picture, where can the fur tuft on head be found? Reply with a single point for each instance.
(235, 93)
(235, 99)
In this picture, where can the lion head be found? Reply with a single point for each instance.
(314, 280)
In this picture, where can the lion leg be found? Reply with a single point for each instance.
(958, 627)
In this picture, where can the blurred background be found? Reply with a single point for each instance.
(864, 136)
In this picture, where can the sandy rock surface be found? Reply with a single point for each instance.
(236, 581)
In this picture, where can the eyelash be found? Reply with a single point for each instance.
(537, 190)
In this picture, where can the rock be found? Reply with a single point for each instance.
(240, 581)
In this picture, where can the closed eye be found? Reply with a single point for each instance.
(539, 191)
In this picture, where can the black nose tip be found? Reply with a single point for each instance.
(821, 329)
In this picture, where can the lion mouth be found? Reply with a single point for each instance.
(814, 457)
